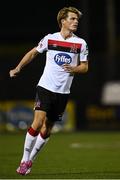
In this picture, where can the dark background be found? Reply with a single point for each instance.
(22, 26)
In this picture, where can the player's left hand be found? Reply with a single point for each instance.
(68, 68)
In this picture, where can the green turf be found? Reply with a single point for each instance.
(84, 155)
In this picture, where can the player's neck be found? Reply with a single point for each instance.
(66, 34)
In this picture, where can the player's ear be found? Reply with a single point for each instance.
(62, 21)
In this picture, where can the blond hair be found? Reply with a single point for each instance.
(63, 13)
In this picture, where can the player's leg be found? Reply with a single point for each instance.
(30, 139)
(54, 114)
(42, 138)
(33, 131)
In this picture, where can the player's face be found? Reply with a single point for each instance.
(71, 22)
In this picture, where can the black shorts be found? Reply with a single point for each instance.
(52, 103)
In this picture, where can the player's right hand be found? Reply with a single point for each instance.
(14, 72)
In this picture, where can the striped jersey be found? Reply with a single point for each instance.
(58, 52)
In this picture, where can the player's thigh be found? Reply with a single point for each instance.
(39, 118)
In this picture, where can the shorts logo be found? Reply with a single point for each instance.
(37, 105)
(62, 58)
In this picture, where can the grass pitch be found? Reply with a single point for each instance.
(84, 155)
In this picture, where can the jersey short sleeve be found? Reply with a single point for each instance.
(84, 52)
(43, 44)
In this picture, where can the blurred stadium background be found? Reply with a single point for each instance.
(94, 103)
(95, 98)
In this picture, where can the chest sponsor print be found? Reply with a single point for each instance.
(62, 58)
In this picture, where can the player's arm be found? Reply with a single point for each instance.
(82, 68)
(25, 60)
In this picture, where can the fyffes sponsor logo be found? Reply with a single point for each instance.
(62, 58)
